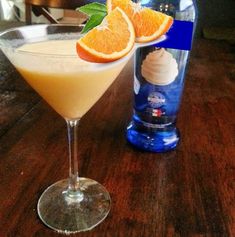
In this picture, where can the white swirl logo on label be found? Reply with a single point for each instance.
(156, 99)
(159, 68)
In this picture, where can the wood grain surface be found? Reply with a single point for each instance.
(189, 192)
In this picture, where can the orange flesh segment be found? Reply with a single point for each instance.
(109, 41)
(148, 24)
(97, 39)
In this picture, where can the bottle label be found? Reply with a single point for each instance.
(156, 99)
(159, 75)
(179, 36)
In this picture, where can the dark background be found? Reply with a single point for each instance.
(215, 13)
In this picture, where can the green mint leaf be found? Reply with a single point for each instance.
(93, 9)
(93, 21)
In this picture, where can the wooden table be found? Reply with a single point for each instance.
(187, 192)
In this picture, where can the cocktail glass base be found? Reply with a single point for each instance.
(69, 212)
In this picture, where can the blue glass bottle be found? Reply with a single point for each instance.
(159, 74)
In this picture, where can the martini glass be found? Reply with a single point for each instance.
(45, 55)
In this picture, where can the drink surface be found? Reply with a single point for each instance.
(69, 84)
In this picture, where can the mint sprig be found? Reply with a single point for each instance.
(96, 12)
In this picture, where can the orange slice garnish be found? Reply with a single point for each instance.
(149, 24)
(109, 41)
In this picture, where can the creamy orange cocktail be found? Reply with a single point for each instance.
(69, 84)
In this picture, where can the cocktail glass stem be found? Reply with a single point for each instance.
(73, 190)
(77, 203)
